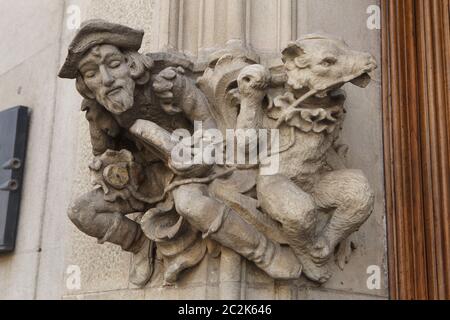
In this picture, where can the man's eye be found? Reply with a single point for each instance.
(114, 64)
(89, 74)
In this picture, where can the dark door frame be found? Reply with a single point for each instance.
(416, 122)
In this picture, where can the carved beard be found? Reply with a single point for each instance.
(120, 100)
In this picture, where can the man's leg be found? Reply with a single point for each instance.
(107, 222)
(225, 226)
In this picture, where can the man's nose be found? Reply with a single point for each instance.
(107, 79)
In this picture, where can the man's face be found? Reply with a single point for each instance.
(108, 76)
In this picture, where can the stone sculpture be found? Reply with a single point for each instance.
(135, 103)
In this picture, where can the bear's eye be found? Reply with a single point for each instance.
(328, 61)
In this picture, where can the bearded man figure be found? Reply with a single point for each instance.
(130, 108)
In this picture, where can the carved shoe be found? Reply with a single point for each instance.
(142, 264)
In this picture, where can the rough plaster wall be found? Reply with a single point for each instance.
(59, 147)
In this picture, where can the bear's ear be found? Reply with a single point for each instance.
(294, 56)
(293, 50)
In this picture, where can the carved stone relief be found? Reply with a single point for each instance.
(140, 109)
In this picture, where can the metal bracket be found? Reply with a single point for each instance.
(12, 164)
(11, 185)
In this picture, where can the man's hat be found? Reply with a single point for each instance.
(96, 32)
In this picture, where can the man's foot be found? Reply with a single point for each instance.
(142, 264)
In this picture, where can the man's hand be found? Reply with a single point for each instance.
(164, 85)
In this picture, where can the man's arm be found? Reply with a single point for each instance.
(151, 134)
(160, 140)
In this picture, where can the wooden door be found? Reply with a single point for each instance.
(416, 119)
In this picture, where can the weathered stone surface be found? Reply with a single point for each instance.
(110, 295)
(18, 275)
(124, 94)
(31, 23)
(362, 129)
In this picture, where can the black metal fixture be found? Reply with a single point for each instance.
(13, 143)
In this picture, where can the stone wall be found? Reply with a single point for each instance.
(35, 37)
